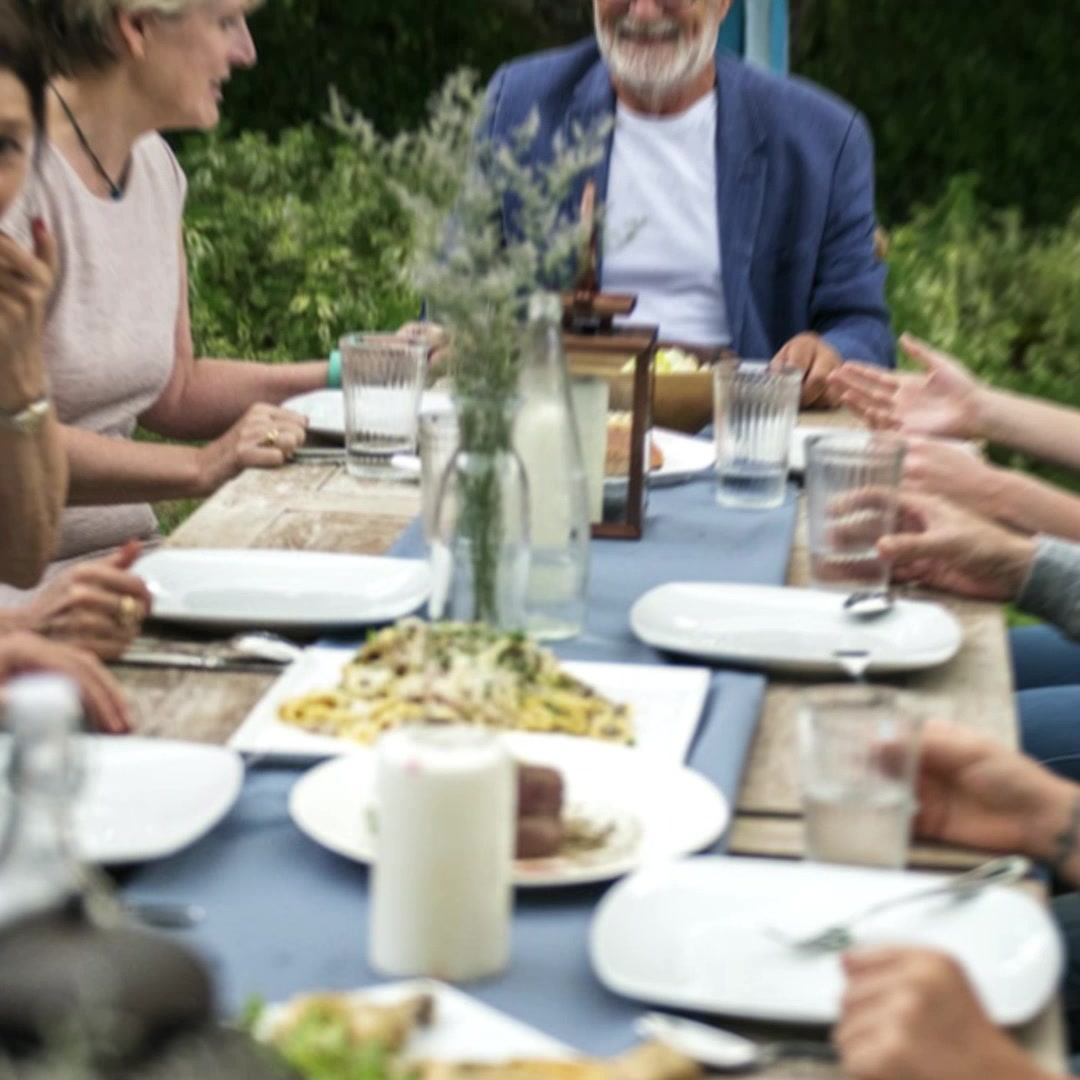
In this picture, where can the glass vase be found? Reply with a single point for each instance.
(480, 542)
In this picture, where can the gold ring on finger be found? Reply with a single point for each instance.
(127, 612)
(271, 437)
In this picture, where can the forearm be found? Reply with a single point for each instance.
(33, 486)
(1051, 589)
(104, 470)
(216, 393)
(1035, 506)
(1043, 430)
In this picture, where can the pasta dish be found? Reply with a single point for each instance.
(456, 673)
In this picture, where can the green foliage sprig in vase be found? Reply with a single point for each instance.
(476, 281)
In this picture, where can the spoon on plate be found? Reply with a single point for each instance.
(723, 1050)
(867, 604)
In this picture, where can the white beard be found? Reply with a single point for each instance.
(654, 73)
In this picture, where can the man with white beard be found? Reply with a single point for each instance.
(748, 199)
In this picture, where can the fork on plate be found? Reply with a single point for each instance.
(840, 935)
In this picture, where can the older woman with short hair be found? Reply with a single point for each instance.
(117, 339)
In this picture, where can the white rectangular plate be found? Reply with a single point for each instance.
(694, 934)
(464, 1029)
(146, 798)
(787, 629)
(281, 590)
(667, 704)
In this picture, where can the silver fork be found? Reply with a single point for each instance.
(840, 935)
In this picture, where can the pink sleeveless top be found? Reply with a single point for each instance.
(110, 338)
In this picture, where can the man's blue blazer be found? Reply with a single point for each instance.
(795, 194)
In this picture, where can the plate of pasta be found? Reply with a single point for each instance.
(332, 701)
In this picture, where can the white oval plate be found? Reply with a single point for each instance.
(147, 798)
(693, 934)
(281, 590)
(786, 629)
(325, 409)
(654, 811)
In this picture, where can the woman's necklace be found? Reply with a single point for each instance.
(115, 190)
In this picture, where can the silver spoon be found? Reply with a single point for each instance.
(262, 645)
(868, 604)
(724, 1050)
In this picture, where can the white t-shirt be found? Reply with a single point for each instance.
(662, 180)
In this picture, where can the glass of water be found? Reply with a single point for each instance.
(859, 748)
(755, 410)
(382, 377)
(852, 481)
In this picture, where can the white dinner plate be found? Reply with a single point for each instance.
(694, 934)
(787, 629)
(146, 798)
(462, 1028)
(301, 590)
(684, 458)
(643, 809)
(666, 703)
(325, 409)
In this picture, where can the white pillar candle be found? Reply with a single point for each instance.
(442, 887)
(589, 398)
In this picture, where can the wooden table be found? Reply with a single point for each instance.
(319, 507)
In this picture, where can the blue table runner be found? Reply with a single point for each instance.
(283, 915)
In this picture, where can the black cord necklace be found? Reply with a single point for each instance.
(115, 190)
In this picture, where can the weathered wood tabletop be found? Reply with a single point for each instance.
(317, 506)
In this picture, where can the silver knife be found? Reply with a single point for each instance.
(195, 662)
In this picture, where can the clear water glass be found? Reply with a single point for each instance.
(859, 749)
(382, 377)
(852, 482)
(755, 406)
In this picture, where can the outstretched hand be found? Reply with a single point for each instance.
(946, 400)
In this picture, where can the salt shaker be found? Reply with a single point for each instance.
(442, 887)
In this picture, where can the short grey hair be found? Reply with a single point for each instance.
(80, 35)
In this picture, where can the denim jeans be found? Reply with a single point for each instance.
(1046, 667)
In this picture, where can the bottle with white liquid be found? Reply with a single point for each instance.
(442, 887)
(547, 441)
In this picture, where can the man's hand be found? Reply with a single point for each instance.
(936, 543)
(911, 1014)
(977, 792)
(431, 335)
(946, 400)
(817, 360)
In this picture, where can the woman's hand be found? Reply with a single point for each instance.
(98, 606)
(431, 335)
(946, 401)
(22, 652)
(25, 282)
(265, 437)
(935, 467)
(911, 1014)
